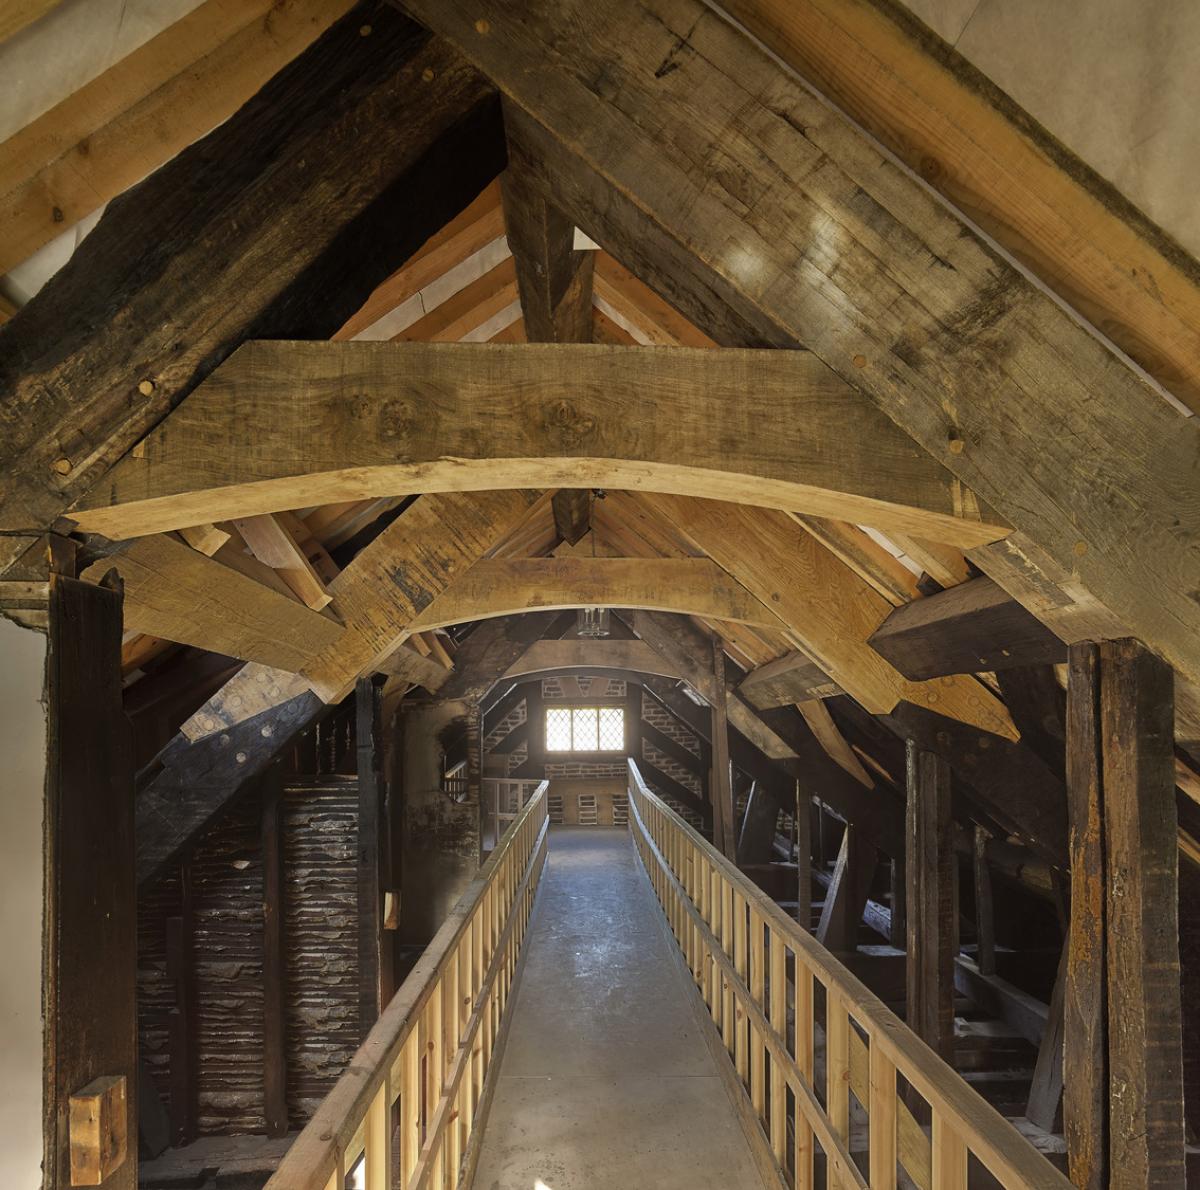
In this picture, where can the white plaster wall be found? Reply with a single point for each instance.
(23, 748)
(1114, 80)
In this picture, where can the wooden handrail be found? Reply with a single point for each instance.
(741, 947)
(427, 1057)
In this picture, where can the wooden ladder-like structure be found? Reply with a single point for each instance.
(831, 1088)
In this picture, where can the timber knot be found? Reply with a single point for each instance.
(566, 424)
(395, 420)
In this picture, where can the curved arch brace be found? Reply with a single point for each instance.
(286, 425)
(504, 586)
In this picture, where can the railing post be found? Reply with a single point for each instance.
(949, 1156)
(882, 1109)
(378, 1155)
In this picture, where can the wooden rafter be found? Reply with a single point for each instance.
(895, 293)
(291, 241)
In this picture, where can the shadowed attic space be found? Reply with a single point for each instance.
(523, 537)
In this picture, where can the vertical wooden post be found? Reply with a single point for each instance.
(1124, 1054)
(371, 973)
(1085, 1061)
(721, 782)
(274, 967)
(554, 281)
(91, 896)
(181, 1028)
(985, 922)
(1140, 832)
(803, 858)
(929, 862)
(898, 931)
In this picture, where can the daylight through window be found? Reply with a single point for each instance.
(585, 729)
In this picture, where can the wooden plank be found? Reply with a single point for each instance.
(555, 281)
(970, 141)
(1145, 1058)
(176, 593)
(115, 130)
(208, 539)
(866, 557)
(99, 1130)
(91, 905)
(503, 586)
(283, 425)
(1085, 1059)
(467, 310)
(870, 302)
(17, 14)
(969, 628)
(481, 222)
(272, 544)
(572, 513)
(401, 572)
(929, 864)
(629, 298)
(374, 977)
(787, 680)
(829, 611)
(720, 780)
(274, 975)
(406, 665)
(256, 226)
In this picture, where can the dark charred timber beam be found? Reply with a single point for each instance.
(276, 225)
(973, 627)
(985, 921)
(572, 513)
(181, 1025)
(374, 974)
(720, 781)
(877, 812)
(785, 681)
(1123, 1059)
(1011, 784)
(198, 779)
(484, 656)
(274, 975)
(1038, 705)
(929, 863)
(1046, 1086)
(90, 992)
(554, 281)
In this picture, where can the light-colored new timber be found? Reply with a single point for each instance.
(830, 611)
(177, 593)
(503, 586)
(866, 1045)
(287, 425)
(143, 110)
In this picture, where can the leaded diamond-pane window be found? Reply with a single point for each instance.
(585, 729)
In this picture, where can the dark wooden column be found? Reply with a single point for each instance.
(274, 961)
(985, 923)
(374, 974)
(721, 782)
(898, 933)
(846, 896)
(929, 865)
(555, 281)
(181, 1023)
(1123, 1108)
(803, 820)
(90, 994)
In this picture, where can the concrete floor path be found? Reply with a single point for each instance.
(607, 1080)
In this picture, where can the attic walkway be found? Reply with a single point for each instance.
(607, 1079)
(606, 1065)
